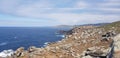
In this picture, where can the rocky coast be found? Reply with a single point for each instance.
(79, 42)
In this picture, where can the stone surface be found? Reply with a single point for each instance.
(32, 49)
(117, 43)
(19, 52)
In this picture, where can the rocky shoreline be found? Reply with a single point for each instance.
(80, 42)
(76, 44)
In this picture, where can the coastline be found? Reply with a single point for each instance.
(79, 42)
(71, 46)
(9, 52)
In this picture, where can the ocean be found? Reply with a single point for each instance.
(15, 37)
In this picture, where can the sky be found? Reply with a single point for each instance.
(35, 13)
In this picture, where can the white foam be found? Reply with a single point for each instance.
(63, 36)
(46, 43)
(60, 36)
(6, 53)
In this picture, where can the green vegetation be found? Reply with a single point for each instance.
(113, 26)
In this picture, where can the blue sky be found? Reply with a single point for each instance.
(22, 13)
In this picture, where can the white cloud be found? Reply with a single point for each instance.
(13, 6)
(111, 10)
(8, 6)
(81, 5)
(110, 4)
(70, 18)
(48, 10)
(113, 0)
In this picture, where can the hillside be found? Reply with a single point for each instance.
(63, 26)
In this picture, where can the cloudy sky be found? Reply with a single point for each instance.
(57, 12)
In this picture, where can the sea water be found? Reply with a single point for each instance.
(15, 37)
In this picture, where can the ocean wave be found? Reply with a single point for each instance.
(6, 53)
(3, 43)
(46, 43)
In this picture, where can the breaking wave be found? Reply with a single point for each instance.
(6, 53)
(60, 36)
(46, 43)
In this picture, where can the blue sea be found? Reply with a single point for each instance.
(15, 37)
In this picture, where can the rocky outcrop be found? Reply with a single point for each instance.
(96, 52)
(117, 43)
(32, 49)
(117, 46)
(19, 52)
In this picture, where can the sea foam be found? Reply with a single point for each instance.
(6, 53)
(45, 44)
(60, 36)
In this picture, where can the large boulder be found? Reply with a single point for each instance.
(19, 52)
(32, 49)
(117, 43)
